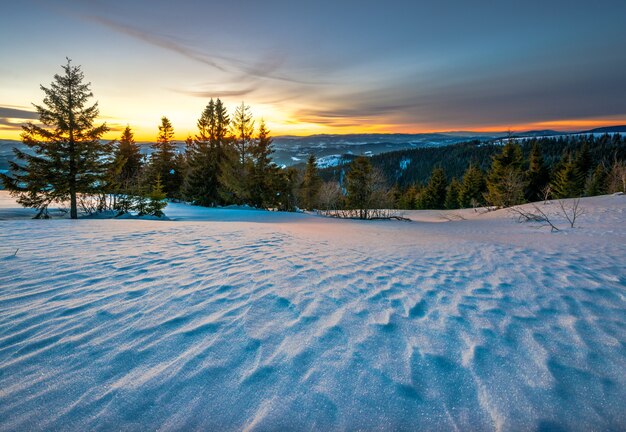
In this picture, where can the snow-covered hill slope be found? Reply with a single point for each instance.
(239, 319)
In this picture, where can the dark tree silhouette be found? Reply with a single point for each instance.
(164, 163)
(67, 156)
(311, 184)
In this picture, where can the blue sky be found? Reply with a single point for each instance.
(331, 67)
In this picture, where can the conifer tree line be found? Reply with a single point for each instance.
(498, 175)
(229, 161)
(513, 179)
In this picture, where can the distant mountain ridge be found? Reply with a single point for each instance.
(608, 129)
(329, 148)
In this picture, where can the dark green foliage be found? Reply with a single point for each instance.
(473, 188)
(311, 183)
(67, 156)
(156, 200)
(359, 186)
(242, 130)
(434, 194)
(584, 162)
(505, 181)
(204, 155)
(262, 170)
(164, 163)
(617, 177)
(537, 176)
(286, 185)
(408, 200)
(125, 173)
(597, 182)
(455, 159)
(234, 181)
(127, 156)
(568, 181)
(236, 163)
(452, 195)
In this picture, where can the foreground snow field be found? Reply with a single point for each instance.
(241, 319)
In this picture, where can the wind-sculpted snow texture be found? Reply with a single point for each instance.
(235, 319)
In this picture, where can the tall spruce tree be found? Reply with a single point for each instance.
(583, 160)
(359, 186)
(538, 175)
(201, 185)
(452, 195)
(434, 194)
(67, 156)
(164, 163)
(128, 156)
(473, 187)
(505, 182)
(286, 183)
(311, 184)
(222, 124)
(569, 181)
(236, 166)
(263, 170)
(220, 142)
(597, 182)
(408, 200)
(243, 131)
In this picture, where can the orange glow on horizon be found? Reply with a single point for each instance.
(144, 132)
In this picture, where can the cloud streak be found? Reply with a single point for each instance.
(10, 112)
(266, 68)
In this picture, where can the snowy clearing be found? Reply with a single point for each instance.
(226, 319)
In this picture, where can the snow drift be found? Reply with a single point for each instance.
(239, 319)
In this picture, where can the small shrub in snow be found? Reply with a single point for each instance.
(571, 211)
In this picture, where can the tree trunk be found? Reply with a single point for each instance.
(73, 206)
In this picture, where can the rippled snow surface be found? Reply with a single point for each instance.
(228, 320)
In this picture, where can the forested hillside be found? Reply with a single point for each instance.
(407, 167)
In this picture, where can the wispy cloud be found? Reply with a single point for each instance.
(267, 67)
(7, 125)
(216, 93)
(16, 113)
(162, 41)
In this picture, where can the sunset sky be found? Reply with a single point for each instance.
(325, 66)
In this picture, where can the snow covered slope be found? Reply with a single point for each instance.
(239, 319)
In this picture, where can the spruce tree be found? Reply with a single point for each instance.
(236, 166)
(473, 187)
(263, 170)
(408, 200)
(201, 184)
(243, 131)
(128, 155)
(67, 156)
(505, 182)
(597, 182)
(124, 172)
(584, 161)
(311, 184)
(452, 195)
(286, 182)
(568, 181)
(156, 199)
(617, 177)
(222, 124)
(434, 195)
(163, 162)
(538, 175)
(359, 186)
